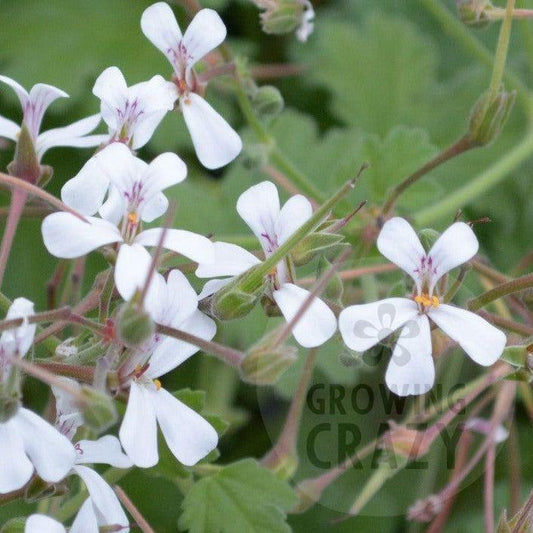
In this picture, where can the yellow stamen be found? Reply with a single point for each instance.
(157, 384)
(426, 301)
(133, 218)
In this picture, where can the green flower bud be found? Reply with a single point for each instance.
(267, 100)
(38, 489)
(15, 525)
(516, 355)
(264, 364)
(474, 12)
(134, 325)
(98, 408)
(282, 18)
(235, 299)
(309, 247)
(488, 118)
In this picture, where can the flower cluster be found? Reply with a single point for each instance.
(151, 318)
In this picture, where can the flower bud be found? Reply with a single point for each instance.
(15, 525)
(264, 364)
(98, 408)
(474, 12)
(405, 442)
(134, 325)
(314, 244)
(267, 100)
(488, 117)
(235, 299)
(38, 489)
(516, 355)
(281, 16)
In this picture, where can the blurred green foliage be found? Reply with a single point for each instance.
(383, 82)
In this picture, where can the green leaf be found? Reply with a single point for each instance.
(380, 74)
(242, 497)
(393, 159)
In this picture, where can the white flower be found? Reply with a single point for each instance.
(411, 370)
(102, 508)
(135, 196)
(188, 435)
(27, 442)
(259, 207)
(307, 25)
(133, 113)
(34, 105)
(215, 142)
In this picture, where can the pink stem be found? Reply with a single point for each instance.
(18, 200)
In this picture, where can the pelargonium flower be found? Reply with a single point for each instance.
(27, 441)
(102, 508)
(188, 435)
(34, 105)
(411, 370)
(215, 142)
(259, 207)
(307, 25)
(133, 113)
(136, 196)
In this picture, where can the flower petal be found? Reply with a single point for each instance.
(296, 211)
(164, 171)
(73, 135)
(180, 298)
(364, 326)
(112, 90)
(131, 273)
(399, 243)
(9, 129)
(172, 352)
(15, 466)
(205, 32)
(40, 97)
(67, 237)
(159, 25)
(480, 340)
(189, 437)
(196, 247)
(215, 141)
(154, 207)
(229, 260)
(316, 326)
(138, 432)
(18, 340)
(106, 450)
(40, 523)
(258, 206)
(114, 207)
(86, 191)
(212, 286)
(454, 247)
(155, 97)
(411, 370)
(104, 499)
(51, 453)
(21, 93)
(85, 521)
